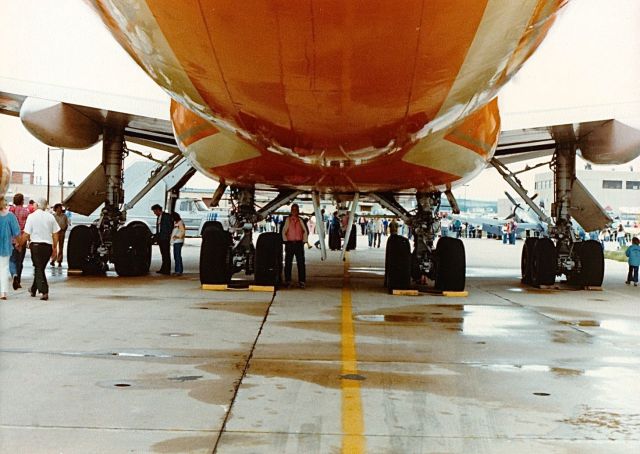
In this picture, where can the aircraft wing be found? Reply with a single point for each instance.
(141, 129)
(601, 142)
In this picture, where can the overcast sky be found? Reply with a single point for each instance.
(587, 69)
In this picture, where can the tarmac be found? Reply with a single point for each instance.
(158, 365)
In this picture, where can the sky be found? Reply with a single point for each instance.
(587, 69)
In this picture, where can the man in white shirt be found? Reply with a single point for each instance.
(41, 230)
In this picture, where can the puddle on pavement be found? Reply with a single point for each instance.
(618, 326)
(367, 270)
(249, 308)
(472, 320)
(558, 371)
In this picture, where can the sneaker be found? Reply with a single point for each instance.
(627, 282)
(59, 265)
(635, 284)
(301, 284)
(53, 263)
(16, 283)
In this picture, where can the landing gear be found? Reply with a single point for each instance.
(442, 266)
(582, 262)
(224, 253)
(91, 248)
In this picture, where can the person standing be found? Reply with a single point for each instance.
(63, 223)
(363, 224)
(294, 235)
(622, 241)
(177, 238)
(633, 252)
(41, 230)
(371, 231)
(17, 256)
(379, 230)
(9, 231)
(164, 227)
(393, 227)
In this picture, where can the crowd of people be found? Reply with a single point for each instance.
(31, 227)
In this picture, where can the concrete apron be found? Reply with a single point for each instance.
(155, 364)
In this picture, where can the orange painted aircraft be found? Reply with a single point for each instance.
(346, 98)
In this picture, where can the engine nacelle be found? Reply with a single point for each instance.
(612, 143)
(57, 124)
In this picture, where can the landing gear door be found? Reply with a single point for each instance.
(590, 215)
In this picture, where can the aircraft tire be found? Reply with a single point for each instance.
(132, 250)
(452, 265)
(268, 259)
(214, 224)
(352, 238)
(592, 258)
(215, 256)
(526, 260)
(397, 263)
(544, 263)
(79, 247)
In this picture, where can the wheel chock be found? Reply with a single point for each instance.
(251, 288)
(462, 294)
(74, 272)
(217, 287)
(408, 292)
(262, 288)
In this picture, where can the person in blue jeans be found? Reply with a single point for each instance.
(177, 239)
(633, 252)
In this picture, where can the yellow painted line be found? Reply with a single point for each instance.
(353, 441)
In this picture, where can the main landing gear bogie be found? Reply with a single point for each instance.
(441, 265)
(130, 251)
(540, 263)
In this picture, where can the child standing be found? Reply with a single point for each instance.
(177, 239)
(633, 252)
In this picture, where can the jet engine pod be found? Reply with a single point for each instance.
(58, 124)
(612, 143)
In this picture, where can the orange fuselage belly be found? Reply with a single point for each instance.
(333, 94)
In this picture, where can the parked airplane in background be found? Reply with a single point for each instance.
(335, 99)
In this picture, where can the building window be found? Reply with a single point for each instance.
(633, 185)
(611, 184)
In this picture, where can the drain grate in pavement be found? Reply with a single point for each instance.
(357, 377)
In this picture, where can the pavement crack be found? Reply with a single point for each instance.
(244, 372)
